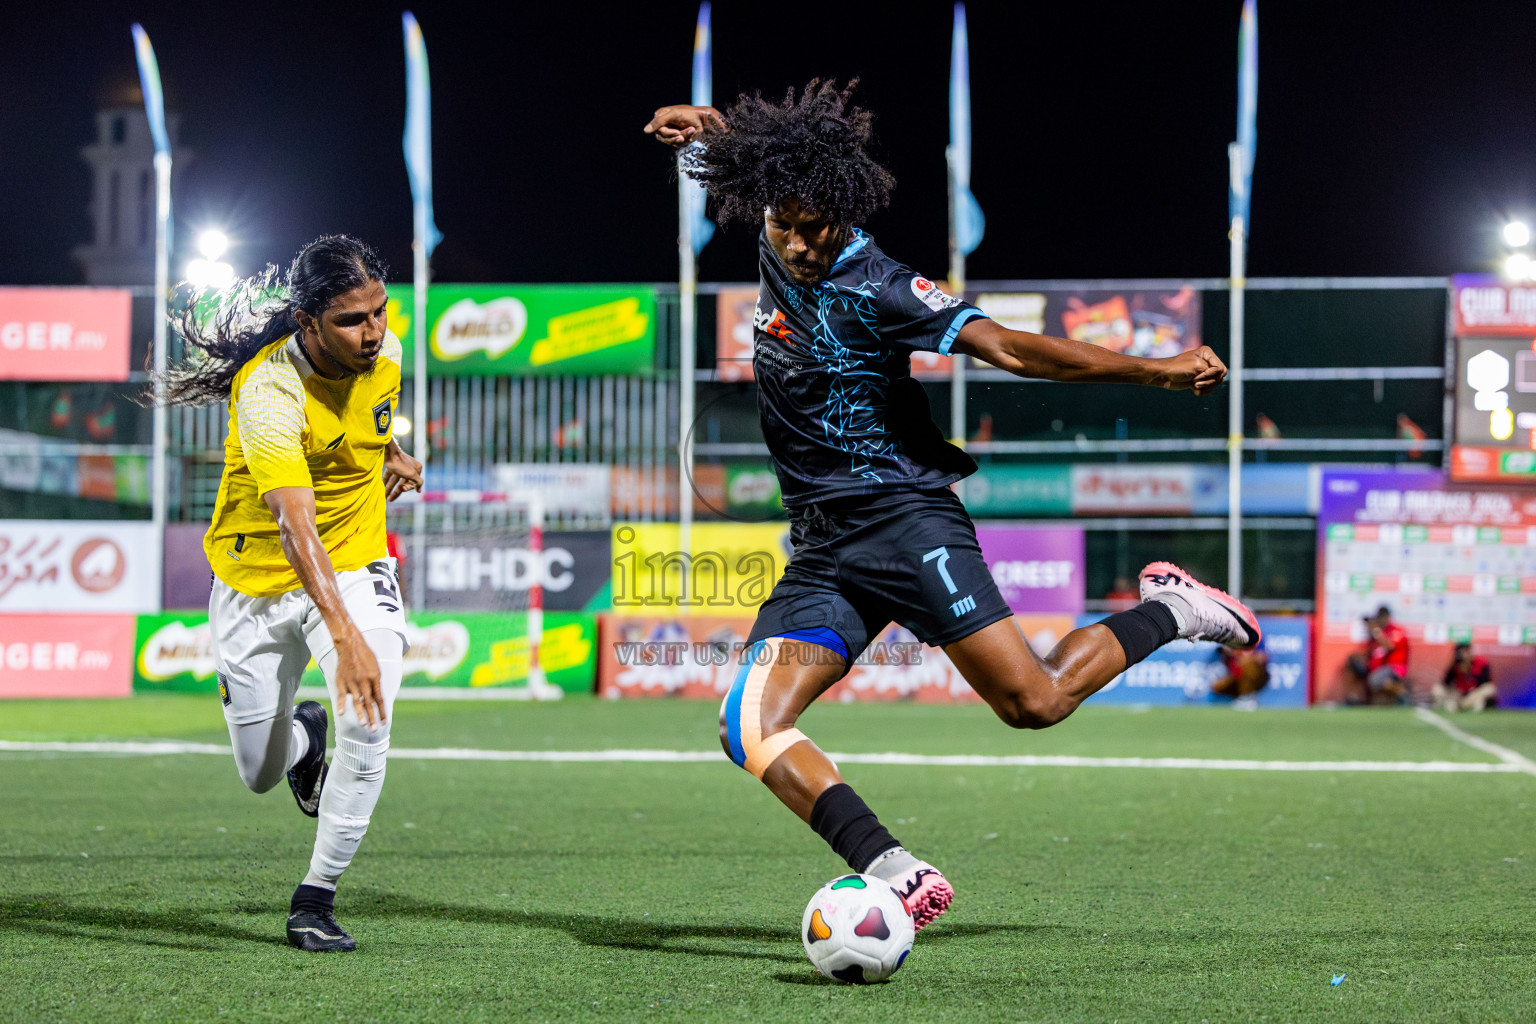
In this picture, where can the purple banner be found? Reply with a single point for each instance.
(1038, 569)
(187, 579)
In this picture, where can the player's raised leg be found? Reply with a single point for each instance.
(1028, 691)
(778, 679)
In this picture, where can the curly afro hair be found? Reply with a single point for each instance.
(811, 149)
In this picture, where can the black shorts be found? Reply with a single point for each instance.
(861, 564)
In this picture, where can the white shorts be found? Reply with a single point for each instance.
(261, 645)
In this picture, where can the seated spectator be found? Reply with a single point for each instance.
(1122, 595)
(1468, 683)
(1379, 675)
(1247, 674)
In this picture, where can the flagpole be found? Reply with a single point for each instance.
(957, 392)
(419, 431)
(965, 220)
(687, 288)
(693, 233)
(417, 144)
(1240, 159)
(154, 111)
(1235, 396)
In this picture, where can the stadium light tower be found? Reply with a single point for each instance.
(1517, 234)
(209, 271)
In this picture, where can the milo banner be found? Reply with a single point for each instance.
(481, 330)
(465, 651)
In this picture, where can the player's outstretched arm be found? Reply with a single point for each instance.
(357, 670)
(681, 124)
(1044, 358)
(402, 472)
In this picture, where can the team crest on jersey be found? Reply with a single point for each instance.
(224, 691)
(931, 294)
(381, 418)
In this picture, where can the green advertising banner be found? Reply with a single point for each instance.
(483, 330)
(472, 650)
(1041, 490)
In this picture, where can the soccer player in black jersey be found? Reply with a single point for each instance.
(878, 535)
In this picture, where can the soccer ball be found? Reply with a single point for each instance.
(857, 929)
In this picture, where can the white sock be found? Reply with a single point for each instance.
(346, 806)
(298, 750)
(356, 776)
(891, 864)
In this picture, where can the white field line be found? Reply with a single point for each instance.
(700, 756)
(1517, 761)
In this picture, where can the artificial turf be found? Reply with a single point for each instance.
(153, 888)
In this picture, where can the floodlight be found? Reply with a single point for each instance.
(1517, 266)
(1517, 233)
(210, 274)
(402, 425)
(214, 243)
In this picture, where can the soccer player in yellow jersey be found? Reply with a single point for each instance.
(297, 542)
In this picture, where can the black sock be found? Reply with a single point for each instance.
(1143, 629)
(315, 898)
(850, 827)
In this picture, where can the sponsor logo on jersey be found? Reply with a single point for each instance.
(382, 418)
(932, 296)
(467, 327)
(774, 324)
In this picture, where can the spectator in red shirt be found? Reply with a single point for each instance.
(1379, 675)
(1468, 683)
(1247, 674)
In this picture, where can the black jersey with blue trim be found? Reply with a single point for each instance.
(827, 356)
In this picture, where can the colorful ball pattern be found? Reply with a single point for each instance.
(857, 929)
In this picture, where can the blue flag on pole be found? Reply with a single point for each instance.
(418, 131)
(693, 197)
(149, 82)
(1247, 109)
(969, 222)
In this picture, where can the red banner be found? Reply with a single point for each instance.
(51, 334)
(701, 657)
(66, 655)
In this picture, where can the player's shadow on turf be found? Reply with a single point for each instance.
(169, 929)
(591, 930)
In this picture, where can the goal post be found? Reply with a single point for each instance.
(480, 553)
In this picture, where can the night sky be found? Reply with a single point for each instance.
(1393, 139)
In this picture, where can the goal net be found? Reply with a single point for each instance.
(472, 573)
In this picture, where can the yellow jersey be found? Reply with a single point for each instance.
(291, 427)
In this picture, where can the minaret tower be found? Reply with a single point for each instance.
(122, 246)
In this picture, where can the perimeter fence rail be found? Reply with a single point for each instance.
(1389, 404)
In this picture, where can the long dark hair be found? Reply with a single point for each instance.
(814, 149)
(257, 311)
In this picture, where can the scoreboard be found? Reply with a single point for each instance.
(1456, 564)
(1493, 435)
